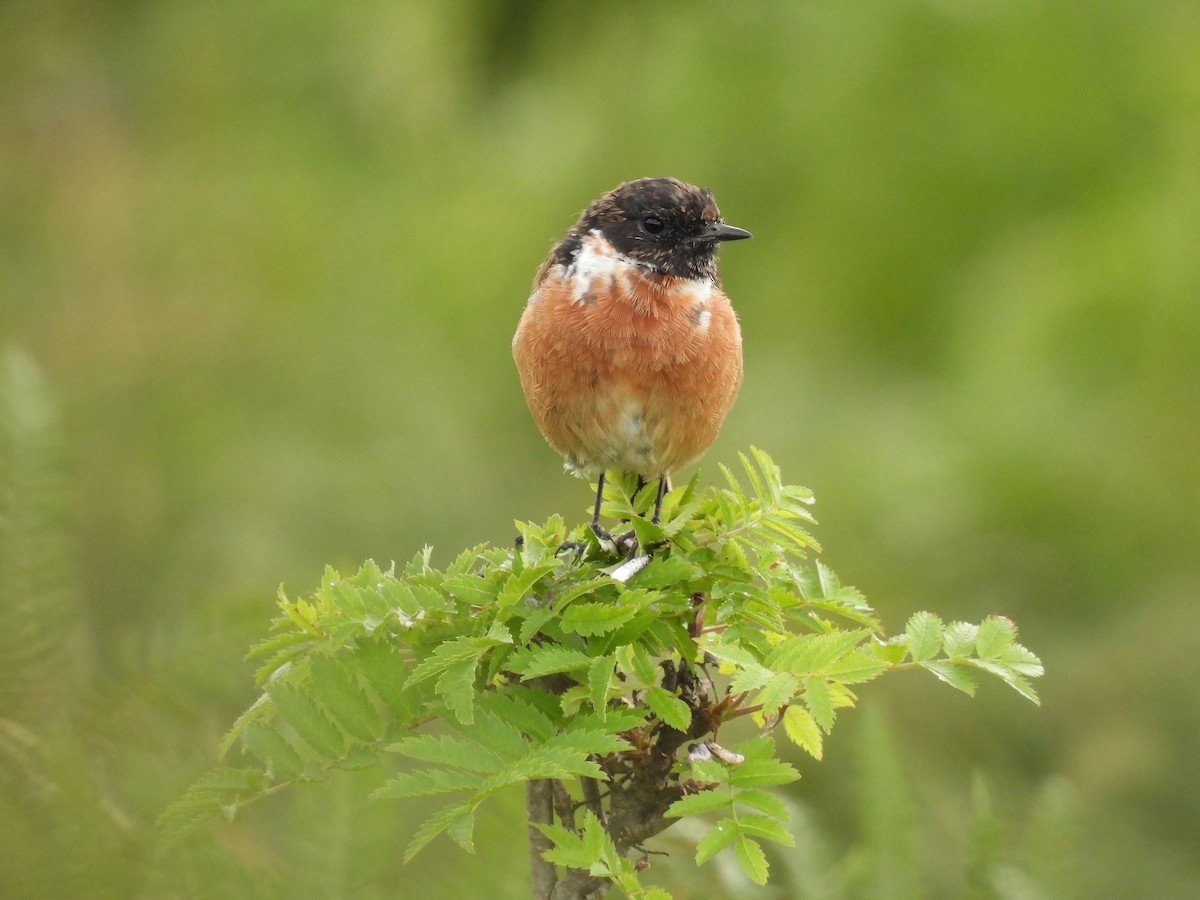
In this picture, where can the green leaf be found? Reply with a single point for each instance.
(924, 632)
(709, 771)
(856, 667)
(345, 699)
(1022, 661)
(471, 589)
(766, 828)
(600, 676)
(301, 712)
(959, 639)
(215, 795)
(995, 635)
(762, 801)
(779, 691)
(762, 773)
(433, 826)
(697, 804)
(383, 668)
(666, 572)
(456, 685)
(669, 708)
(955, 674)
(461, 829)
(716, 839)
(533, 621)
(596, 618)
(518, 587)
(752, 859)
(600, 585)
(802, 729)
(548, 660)
(1006, 674)
(449, 751)
(277, 753)
(427, 782)
(819, 700)
(811, 654)
(517, 708)
(444, 655)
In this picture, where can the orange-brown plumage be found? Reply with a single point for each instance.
(629, 352)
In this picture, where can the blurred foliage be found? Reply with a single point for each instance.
(270, 257)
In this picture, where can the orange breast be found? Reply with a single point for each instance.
(629, 371)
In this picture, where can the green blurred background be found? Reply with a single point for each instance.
(268, 257)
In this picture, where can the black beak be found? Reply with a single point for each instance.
(719, 231)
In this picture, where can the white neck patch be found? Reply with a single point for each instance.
(595, 258)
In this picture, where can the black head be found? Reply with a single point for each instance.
(662, 223)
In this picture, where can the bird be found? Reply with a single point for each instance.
(628, 351)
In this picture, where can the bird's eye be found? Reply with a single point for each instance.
(652, 224)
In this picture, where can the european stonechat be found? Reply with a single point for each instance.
(628, 350)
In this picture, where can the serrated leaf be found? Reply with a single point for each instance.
(599, 585)
(697, 804)
(596, 618)
(779, 691)
(666, 572)
(635, 661)
(762, 773)
(955, 674)
(752, 859)
(751, 678)
(498, 735)
(471, 589)
(995, 635)
(1022, 661)
(803, 730)
(456, 685)
(856, 667)
(959, 638)
(924, 632)
(444, 655)
(588, 740)
(716, 839)
(709, 771)
(518, 587)
(432, 827)
(668, 707)
(568, 850)
(827, 579)
(600, 676)
(301, 712)
(766, 828)
(1008, 676)
(762, 801)
(427, 782)
(729, 652)
(215, 795)
(811, 654)
(518, 711)
(461, 829)
(382, 666)
(448, 751)
(548, 660)
(533, 622)
(552, 762)
(277, 753)
(819, 700)
(344, 698)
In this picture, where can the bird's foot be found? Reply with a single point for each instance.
(625, 544)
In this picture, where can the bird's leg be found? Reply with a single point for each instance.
(664, 485)
(597, 528)
(642, 481)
